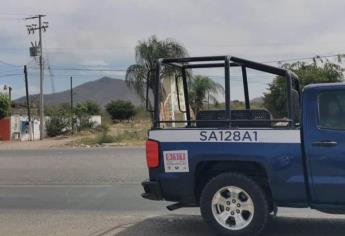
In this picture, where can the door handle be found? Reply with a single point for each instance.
(325, 144)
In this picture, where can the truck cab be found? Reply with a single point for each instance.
(239, 166)
(324, 144)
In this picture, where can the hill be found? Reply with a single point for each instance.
(100, 91)
(259, 100)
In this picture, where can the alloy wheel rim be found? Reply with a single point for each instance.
(233, 208)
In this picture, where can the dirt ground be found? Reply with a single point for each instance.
(59, 142)
(44, 144)
(128, 134)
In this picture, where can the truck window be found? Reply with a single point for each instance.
(332, 110)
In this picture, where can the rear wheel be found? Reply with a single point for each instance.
(233, 204)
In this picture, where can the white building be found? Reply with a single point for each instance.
(5, 90)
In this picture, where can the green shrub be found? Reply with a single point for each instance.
(59, 120)
(87, 108)
(104, 137)
(83, 112)
(57, 126)
(5, 106)
(60, 117)
(120, 110)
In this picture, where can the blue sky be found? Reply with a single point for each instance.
(102, 35)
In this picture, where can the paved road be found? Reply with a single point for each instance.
(97, 192)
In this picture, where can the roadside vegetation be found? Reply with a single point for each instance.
(5, 106)
(119, 134)
(120, 110)
(125, 124)
(318, 71)
(122, 123)
(65, 120)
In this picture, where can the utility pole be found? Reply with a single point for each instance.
(72, 123)
(28, 100)
(10, 93)
(31, 29)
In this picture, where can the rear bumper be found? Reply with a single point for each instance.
(152, 190)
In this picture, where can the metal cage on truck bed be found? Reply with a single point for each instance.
(226, 118)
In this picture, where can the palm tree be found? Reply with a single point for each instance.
(146, 54)
(200, 87)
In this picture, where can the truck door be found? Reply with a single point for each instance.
(324, 135)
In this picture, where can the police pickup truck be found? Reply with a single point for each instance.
(239, 166)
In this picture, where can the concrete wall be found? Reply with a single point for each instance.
(20, 125)
(97, 120)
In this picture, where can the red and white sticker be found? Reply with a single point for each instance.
(176, 161)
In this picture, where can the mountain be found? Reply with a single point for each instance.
(100, 91)
(258, 100)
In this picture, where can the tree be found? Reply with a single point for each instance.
(146, 54)
(83, 112)
(5, 106)
(325, 72)
(59, 119)
(202, 88)
(120, 110)
(89, 108)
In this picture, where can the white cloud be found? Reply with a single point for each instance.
(109, 30)
(105, 32)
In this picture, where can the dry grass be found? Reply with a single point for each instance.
(125, 133)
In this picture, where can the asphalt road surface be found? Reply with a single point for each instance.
(97, 192)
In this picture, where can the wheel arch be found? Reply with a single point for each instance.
(206, 170)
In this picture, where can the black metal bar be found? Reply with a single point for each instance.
(297, 87)
(235, 60)
(260, 66)
(210, 65)
(191, 59)
(157, 95)
(289, 99)
(226, 62)
(186, 96)
(296, 82)
(175, 64)
(178, 94)
(183, 121)
(227, 88)
(245, 87)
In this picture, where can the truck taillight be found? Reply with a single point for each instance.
(152, 154)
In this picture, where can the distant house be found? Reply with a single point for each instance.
(6, 90)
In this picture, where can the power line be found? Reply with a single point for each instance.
(8, 64)
(10, 14)
(85, 69)
(200, 44)
(6, 18)
(8, 75)
(11, 70)
(61, 67)
(303, 58)
(268, 62)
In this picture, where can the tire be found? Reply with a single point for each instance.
(233, 204)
